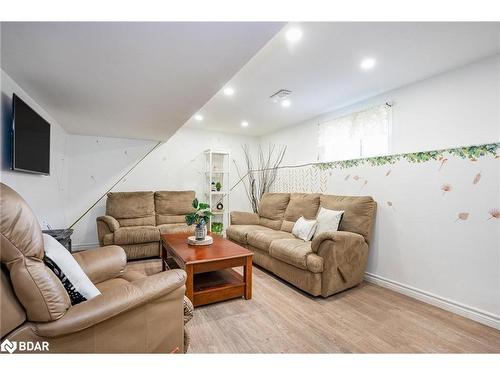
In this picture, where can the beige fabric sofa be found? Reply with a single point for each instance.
(134, 314)
(135, 220)
(330, 263)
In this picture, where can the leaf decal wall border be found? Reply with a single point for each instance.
(473, 153)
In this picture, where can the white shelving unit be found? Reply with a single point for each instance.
(217, 167)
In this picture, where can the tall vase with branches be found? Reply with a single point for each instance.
(260, 179)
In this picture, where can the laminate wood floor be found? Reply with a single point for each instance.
(366, 319)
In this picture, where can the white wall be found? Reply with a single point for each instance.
(45, 194)
(419, 246)
(96, 163)
(83, 168)
(460, 107)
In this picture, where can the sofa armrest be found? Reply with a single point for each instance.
(343, 252)
(105, 225)
(114, 302)
(103, 263)
(248, 218)
(337, 237)
(110, 221)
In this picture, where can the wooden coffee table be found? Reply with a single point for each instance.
(210, 277)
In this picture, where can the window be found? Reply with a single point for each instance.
(358, 135)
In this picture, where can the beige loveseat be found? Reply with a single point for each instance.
(135, 220)
(330, 263)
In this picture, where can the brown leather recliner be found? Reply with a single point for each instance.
(134, 313)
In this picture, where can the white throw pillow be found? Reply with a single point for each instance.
(304, 229)
(328, 220)
(67, 269)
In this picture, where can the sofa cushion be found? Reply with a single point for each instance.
(173, 206)
(302, 205)
(136, 235)
(138, 221)
(239, 233)
(272, 206)
(126, 205)
(297, 253)
(287, 226)
(12, 312)
(126, 278)
(271, 224)
(170, 219)
(175, 228)
(142, 250)
(262, 239)
(359, 212)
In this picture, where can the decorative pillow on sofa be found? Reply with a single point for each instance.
(67, 269)
(304, 229)
(328, 220)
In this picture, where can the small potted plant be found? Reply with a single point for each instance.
(217, 228)
(199, 218)
(218, 186)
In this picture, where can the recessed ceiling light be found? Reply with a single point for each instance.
(293, 34)
(244, 124)
(367, 63)
(285, 103)
(198, 117)
(228, 91)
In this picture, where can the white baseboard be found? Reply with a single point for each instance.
(84, 246)
(477, 315)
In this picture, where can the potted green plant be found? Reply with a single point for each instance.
(199, 218)
(218, 186)
(217, 228)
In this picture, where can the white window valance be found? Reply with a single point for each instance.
(361, 134)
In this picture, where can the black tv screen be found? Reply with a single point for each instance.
(30, 139)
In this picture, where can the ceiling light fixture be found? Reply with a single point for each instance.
(198, 117)
(228, 91)
(367, 63)
(293, 34)
(285, 103)
(244, 124)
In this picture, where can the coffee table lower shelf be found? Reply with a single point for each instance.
(215, 286)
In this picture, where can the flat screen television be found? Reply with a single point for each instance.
(30, 139)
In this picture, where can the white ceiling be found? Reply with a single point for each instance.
(322, 69)
(135, 80)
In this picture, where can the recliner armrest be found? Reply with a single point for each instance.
(102, 263)
(338, 237)
(343, 252)
(110, 221)
(248, 218)
(113, 303)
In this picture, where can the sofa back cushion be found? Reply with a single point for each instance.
(272, 207)
(12, 313)
(22, 250)
(301, 204)
(172, 206)
(131, 208)
(359, 212)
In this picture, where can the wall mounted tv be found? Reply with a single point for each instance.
(30, 139)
